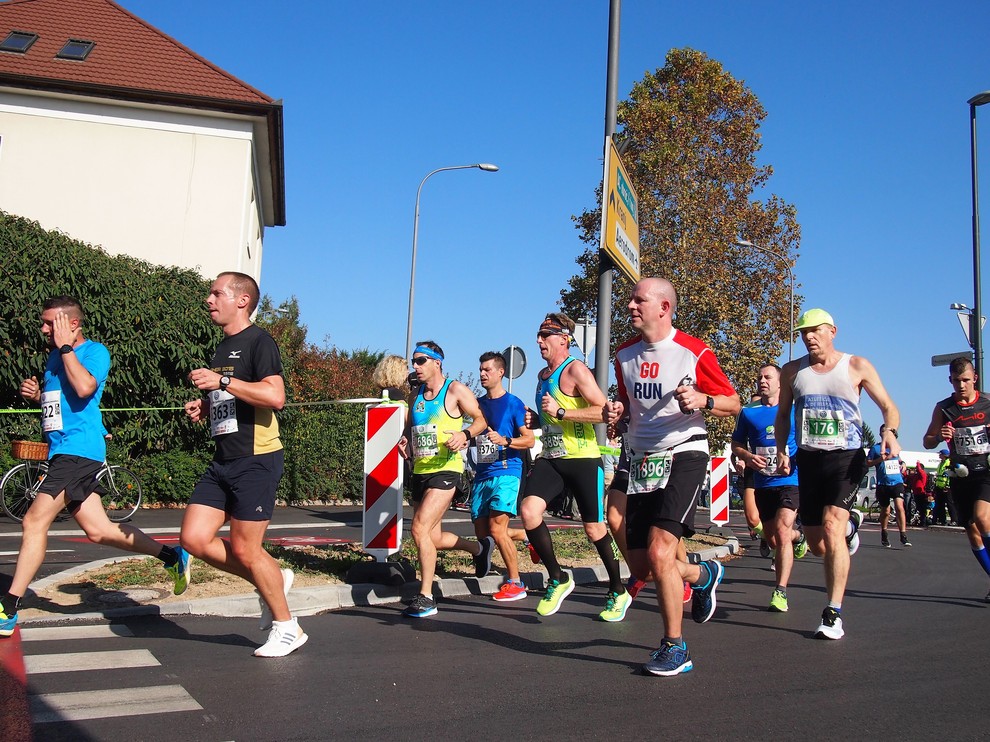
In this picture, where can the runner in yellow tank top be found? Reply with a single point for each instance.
(570, 403)
(434, 439)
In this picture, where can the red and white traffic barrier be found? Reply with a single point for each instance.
(383, 471)
(719, 510)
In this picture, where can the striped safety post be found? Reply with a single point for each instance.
(719, 510)
(383, 471)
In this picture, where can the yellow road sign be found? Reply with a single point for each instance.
(620, 215)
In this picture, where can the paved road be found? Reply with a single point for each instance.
(912, 666)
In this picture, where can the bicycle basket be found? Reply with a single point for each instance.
(30, 450)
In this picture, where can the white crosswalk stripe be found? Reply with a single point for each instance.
(108, 702)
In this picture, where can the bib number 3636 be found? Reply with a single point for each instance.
(223, 413)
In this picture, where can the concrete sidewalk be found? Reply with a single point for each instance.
(307, 601)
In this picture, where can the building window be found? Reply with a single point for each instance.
(18, 42)
(76, 49)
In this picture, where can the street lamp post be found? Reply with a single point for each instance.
(488, 167)
(976, 329)
(790, 276)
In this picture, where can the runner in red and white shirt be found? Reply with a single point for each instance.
(667, 380)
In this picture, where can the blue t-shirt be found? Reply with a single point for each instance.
(505, 416)
(76, 423)
(883, 478)
(755, 431)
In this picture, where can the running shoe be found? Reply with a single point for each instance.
(616, 606)
(179, 572)
(703, 600)
(421, 607)
(634, 585)
(801, 546)
(855, 519)
(904, 540)
(483, 562)
(670, 659)
(266, 613)
(532, 553)
(9, 623)
(778, 601)
(765, 551)
(884, 541)
(831, 626)
(285, 637)
(555, 594)
(510, 591)
(758, 530)
(688, 592)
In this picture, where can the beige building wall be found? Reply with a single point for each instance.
(167, 186)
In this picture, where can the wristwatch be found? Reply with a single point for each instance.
(892, 430)
(560, 413)
(65, 349)
(224, 383)
(710, 403)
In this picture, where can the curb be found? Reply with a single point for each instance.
(308, 601)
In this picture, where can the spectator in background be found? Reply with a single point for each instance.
(917, 481)
(391, 378)
(945, 509)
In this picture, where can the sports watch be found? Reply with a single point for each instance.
(65, 349)
(560, 413)
(224, 383)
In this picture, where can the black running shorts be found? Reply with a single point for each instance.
(583, 478)
(244, 488)
(672, 508)
(828, 478)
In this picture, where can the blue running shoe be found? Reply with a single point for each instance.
(7, 623)
(670, 659)
(179, 572)
(703, 600)
(421, 607)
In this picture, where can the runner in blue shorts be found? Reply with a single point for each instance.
(500, 451)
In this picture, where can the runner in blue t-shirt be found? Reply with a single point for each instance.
(71, 423)
(890, 489)
(777, 495)
(500, 452)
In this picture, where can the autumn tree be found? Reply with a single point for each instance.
(690, 136)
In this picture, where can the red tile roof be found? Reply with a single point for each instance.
(129, 53)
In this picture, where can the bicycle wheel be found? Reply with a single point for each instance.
(120, 490)
(19, 487)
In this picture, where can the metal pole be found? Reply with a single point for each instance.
(790, 276)
(512, 355)
(602, 337)
(976, 321)
(412, 270)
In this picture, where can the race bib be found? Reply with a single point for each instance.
(424, 440)
(824, 430)
(970, 441)
(51, 411)
(891, 467)
(487, 451)
(223, 413)
(553, 442)
(649, 472)
(770, 454)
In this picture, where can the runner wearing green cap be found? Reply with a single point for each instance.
(824, 388)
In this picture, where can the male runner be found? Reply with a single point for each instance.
(824, 388)
(961, 421)
(666, 380)
(242, 390)
(776, 496)
(495, 494)
(890, 490)
(433, 425)
(570, 402)
(72, 425)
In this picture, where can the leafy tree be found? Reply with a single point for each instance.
(690, 133)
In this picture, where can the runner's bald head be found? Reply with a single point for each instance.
(662, 289)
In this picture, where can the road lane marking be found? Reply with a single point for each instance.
(77, 661)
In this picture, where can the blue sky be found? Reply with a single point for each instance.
(867, 131)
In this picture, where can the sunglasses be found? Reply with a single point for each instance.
(546, 334)
(419, 360)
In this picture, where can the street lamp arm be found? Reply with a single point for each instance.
(790, 275)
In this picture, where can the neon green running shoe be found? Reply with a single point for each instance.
(616, 606)
(801, 547)
(179, 572)
(7, 623)
(555, 594)
(778, 601)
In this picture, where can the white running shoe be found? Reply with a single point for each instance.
(266, 613)
(855, 520)
(285, 637)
